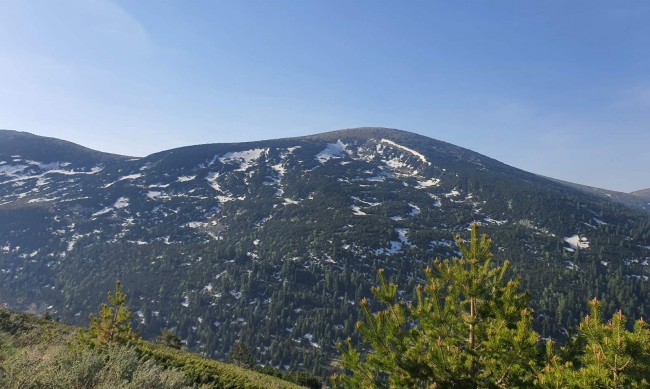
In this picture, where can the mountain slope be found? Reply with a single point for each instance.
(47, 150)
(634, 199)
(644, 194)
(40, 348)
(273, 242)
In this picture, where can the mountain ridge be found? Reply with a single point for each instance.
(8, 138)
(273, 243)
(48, 148)
(643, 193)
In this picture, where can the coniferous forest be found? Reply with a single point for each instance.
(267, 253)
(470, 326)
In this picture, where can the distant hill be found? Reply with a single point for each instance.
(634, 199)
(48, 150)
(273, 243)
(644, 194)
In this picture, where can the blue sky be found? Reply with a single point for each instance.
(559, 88)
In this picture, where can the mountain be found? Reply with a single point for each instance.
(29, 147)
(273, 243)
(635, 199)
(644, 194)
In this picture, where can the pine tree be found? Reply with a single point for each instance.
(601, 356)
(468, 328)
(240, 355)
(169, 339)
(112, 326)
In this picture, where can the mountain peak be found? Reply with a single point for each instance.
(45, 149)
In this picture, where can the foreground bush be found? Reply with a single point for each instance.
(65, 367)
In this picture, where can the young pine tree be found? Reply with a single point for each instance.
(468, 328)
(240, 355)
(169, 339)
(602, 356)
(112, 326)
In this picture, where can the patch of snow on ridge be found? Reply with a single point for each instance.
(494, 221)
(280, 171)
(156, 195)
(211, 178)
(333, 150)
(279, 168)
(395, 163)
(402, 235)
(11, 170)
(122, 202)
(225, 199)
(420, 156)
(437, 202)
(453, 193)
(577, 242)
(396, 246)
(102, 211)
(365, 202)
(428, 183)
(185, 178)
(18, 173)
(415, 210)
(599, 222)
(245, 158)
(130, 177)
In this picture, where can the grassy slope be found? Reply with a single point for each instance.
(21, 331)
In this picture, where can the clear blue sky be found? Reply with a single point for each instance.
(559, 88)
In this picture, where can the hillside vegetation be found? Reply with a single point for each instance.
(37, 352)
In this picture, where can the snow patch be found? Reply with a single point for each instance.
(396, 246)
(130, 177)
(154, 194)
(577, 242)
(494, 221)
(420, 156)
(120, 203)
(211, 178)
(102, 211)
(599, 222)
(185, 178)
(570, 265)
(453, 193)
(245, 158)
(333, 150)
(428, 183)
